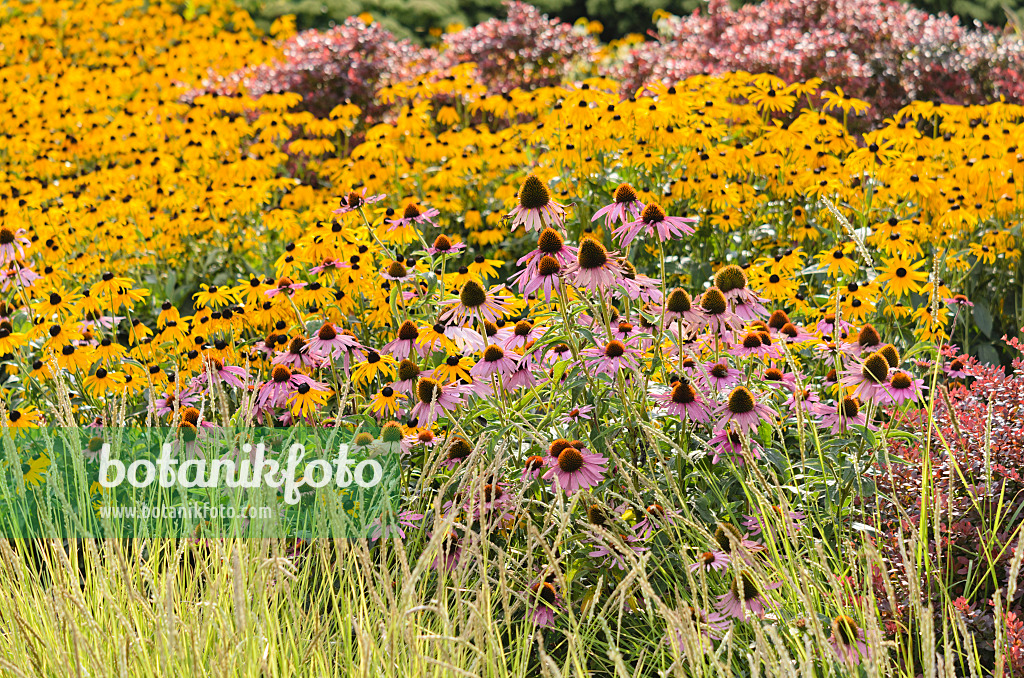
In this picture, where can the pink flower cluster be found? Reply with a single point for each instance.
(350, 62)
(881, 51)
(526, 50)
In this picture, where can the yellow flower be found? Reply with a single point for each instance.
(903, 277)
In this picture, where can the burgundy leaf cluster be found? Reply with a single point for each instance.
(527, 50)
(977, 485)
(882, 51)
(347, 63)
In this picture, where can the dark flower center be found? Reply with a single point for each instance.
(678, 301)
(442, 243)
(790, 330)
(845, 630)
(720, 370)
(875, 368)
(397, 270)
(901, 272)
(725, 534)
(957, 365)
(596, 515)
(534, 463)
(713, 301)
(459, 449)
(523, 328)
(546, 592)
(281, 374)
(592, 254)
(624, 194)
(411, 212)
(778, 320)
(773, 374)
(297, 346)
(549, 241)
(745, 588)
(891, 355)
(850, 407)
(741, 400)
(473, 294)
(869, 336)
(391, 432)
(426, 389)
(614, 349)
(407, 370)
(683, 393)
(327, 332)
(570, 460)
(557, 445)
(548, 266)
(653, 214)
(752, 340)
(493, 354)
(534, 194)
(901, 381)
(408, 331)
(730, 278)
(191, 415)
(6, 236)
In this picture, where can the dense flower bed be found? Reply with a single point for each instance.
(659, 347)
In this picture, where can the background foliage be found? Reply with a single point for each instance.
(418, 18)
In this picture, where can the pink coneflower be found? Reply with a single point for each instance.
(959, 301)
(282, 384)
(715, 313)
(637, 286)
(544, 600)
(412, 214)
(533, 468)
(449, 553)
(353, 201)
(545, 276)
(182, 399)
(614, 356)
(774, 377)
(494, 361)
(745, 597)
(284, 285)
(955, 369)
(682, 400)
(732, 543)
(398, 272)
(12, 244)
(791, 334)
(789, 520)
(710, 561)
(752, 344)
(423, 438)
(443, 246)
(628, 333)
(536, 209)
(655, 517)
(394, 524)
(742, 410)
(868, 377)
(227, 374)
(576, 469)
(329, 267)
(804, 398)
(329, 342)
(456, 451)
(839, 418)
(847, 640)
(868, 339)
(728, 444)
(615, 550)
(523, 376)
(709, 627)
(654, 220)
(902, 388)
(24, 275)
(595, 267)
(830, 326)
(297, 356)
(405, 343)
(434, 399)
(549, 244)
(407, 372)
(719, 376)
(625, 207)
(679, 307)
(476, 302)
(524, 332)
(577, 414)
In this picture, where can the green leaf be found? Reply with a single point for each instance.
(987, 354)
(983, 318)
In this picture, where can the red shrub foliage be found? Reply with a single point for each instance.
(526, 50)
(349, 62)
(977, 484)
(882, 51)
